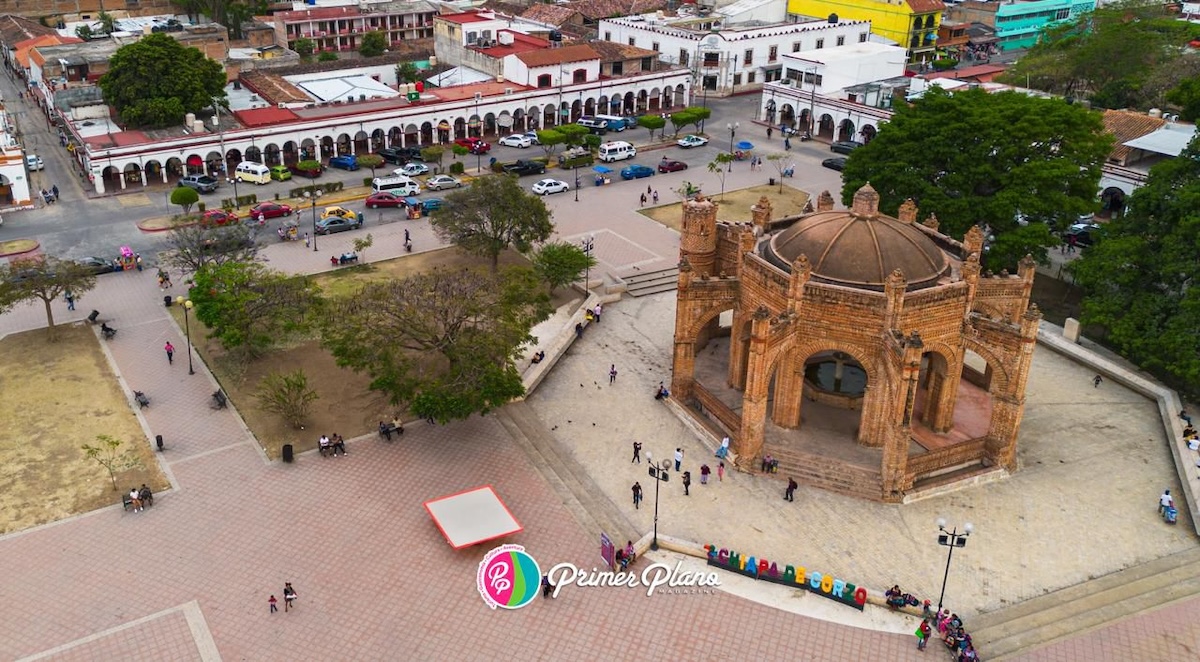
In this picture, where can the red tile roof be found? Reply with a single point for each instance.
(926, 6)
(522, 43)
(598, 9)
(542, 58)
(489, 89)
(264, 116)
(23, 48)
(465, 17)
(550, 14)
(1125, 125)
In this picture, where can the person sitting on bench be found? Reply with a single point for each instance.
(538, 357)
(386, 429)
(146, 496)
(339, 444)
(324, 445)
(333, 260)
(661, 393)
(219, 399)
(135, 500)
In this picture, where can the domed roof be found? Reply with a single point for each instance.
(860, 247)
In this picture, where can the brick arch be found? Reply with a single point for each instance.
(948, 353)
(706, 315)
(999, 368)
(988, 310)
(807, 349)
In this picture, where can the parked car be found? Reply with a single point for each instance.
(440, 182)
(474, 145)
(524, 167)
(548, 186)
(306, 172)
(671, 165)
(532, 136)
(400, 155)
(636, 171)
(384, 199)
(338, 219)
(844, 146)
(1085, 234)
(269, 210)
(516, 140)
(202, 183)
(688, 142)
(280, 173)
(98, 265)
(339, 212)
(836, 163)
(35, 162)
(344, 162)
(411, 170)
(219, 217)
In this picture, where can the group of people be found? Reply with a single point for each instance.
(348, 257)
(949, 629)
(625, 556)
(770, 465)
(140, 498)
(650, 194)
(331, 445)
(51, 196)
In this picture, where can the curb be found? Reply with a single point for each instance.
(36, 246)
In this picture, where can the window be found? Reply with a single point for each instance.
(750, 78)
(737, 80)
(580, 76)
(487, 35)
(631, 41)
(607, 36)
(683, 57)
(712, 59)
(1062, 14)
(862, 37)
(472, 37)
(654, 46)
(820, 44)
(773, 54)
(796, 47)
(748, 56)
(618, 68)
(841, 41)
(647, 64)
(543, 80)
(772, 75)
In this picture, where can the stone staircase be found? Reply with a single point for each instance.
(1077, 609)
(641, 283)
(586, 502)
(824, 473)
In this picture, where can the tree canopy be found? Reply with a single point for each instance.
(1139, 279)
(973, 158)
(495, 213)
(155, 81)
(559, 263)
(193, 246)
(373, 44)
(248, 306)
(444, 343)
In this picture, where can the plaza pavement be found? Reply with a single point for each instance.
(189, 578)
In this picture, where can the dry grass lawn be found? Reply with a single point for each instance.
(735, 205)
(346, 406)
(57, 397)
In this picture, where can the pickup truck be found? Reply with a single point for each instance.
(202, 183)
(523, 167)
(576, 157)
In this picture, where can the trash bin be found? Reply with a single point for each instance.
(167, 301)
(158, 442)
(772, 180)
(287, 452)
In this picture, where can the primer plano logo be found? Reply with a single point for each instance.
(508, 577)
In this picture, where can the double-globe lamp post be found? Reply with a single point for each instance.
(187, 329)
(313, 194)
(951, 539)
(660, 475)
(732, 132)
(589, 242)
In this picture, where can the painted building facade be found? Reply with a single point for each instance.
(912, 24)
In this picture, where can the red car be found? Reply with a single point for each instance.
(219, 217)
(671, 165)
(474, 145)
(269, 210)
(384, 199)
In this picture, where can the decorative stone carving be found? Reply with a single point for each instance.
(931, 222)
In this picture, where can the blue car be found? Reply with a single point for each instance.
(345, 162)
(426, 206)
(636, 172)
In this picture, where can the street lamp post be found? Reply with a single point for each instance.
(216, 120)
(187, 329)
(660, 475)
(732, 132)
(951, 539)
(313, 194)
(576, 182)
(589, 242)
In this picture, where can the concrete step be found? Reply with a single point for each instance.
(820, 472)
(1086, 606)
(651, 282)
(661, 287)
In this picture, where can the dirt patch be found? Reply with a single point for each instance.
(735, 205)
(17, 246)
(346, 405)
(57, 397)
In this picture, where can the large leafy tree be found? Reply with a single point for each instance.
(444, 343)
(46, 280)
(192, 247)
(974, 158)
(373, 44)
(154, 81)
(559, 263)
(250, 307)
(1140, 279)
(495, 213)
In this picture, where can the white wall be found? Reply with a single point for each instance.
(516, 71)
(385, 72)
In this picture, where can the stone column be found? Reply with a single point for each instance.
(789, 391)
(760, 215)
(754, 400)
(683, 361)
(1008, 408)
(738, 352)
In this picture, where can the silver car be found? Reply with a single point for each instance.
(441, 182)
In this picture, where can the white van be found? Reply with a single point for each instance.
(594, 125)
(249, 171)
(618, 150)
(404, 186)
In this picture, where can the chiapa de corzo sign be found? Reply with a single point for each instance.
(826, 586)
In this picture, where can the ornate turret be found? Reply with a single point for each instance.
(698, 240)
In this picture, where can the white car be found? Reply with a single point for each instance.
(548, 186)
(439, 182)
(532, 136)
(34, 162)
(411, 169)
(516, 140)
(687, 142)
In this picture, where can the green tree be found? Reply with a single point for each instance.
(185, 197)
(108, 24)
(493, 214)
(371, 161)
(305, 47)
(433, 154)
(1139, 280)
(286, 394)
(780, 162)
(45, 279)
(443, 342)
(250, 307)
(111, 456)
(1187, 97)
(559, 263)
(327, 56)
(550, 140)
(974, 158)
(719, 166)
(237, 14)
(361, 244)
(653, 123)
(155, 80)
(84, 32)
(459, 150)
(373, 44)
(682, 118)
(572, 133)
(699, 115)
(407, 72)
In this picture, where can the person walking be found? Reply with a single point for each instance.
(547, 587)
(923, 632)
(637, 495)
(70, 297)
(289, 597)
(642, 200)
(612, 374)
(596, 312)
(678, 458)
(137, 259)
(768, 133)
(721, 472)
(704, 471)
(170, 350)
(790, 493)
(1165, 502)
(637, 452)
(1096, 381)
(272, 602)
(787, 144)
(655, 197)
(307, 240)
(687, 482)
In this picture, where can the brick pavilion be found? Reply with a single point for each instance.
(868, 354)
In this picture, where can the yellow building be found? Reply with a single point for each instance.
(912, 24)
